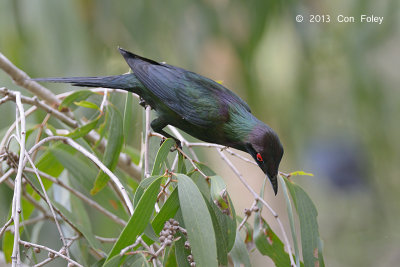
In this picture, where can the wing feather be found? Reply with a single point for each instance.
(197, 99)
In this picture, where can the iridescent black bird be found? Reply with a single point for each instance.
(195, 104)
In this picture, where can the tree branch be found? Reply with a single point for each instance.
(22, 79)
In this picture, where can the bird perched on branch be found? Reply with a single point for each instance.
(195, 104)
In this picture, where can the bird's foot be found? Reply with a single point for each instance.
(162, 140)
(175, 147)
(178, 145)
(142, 102)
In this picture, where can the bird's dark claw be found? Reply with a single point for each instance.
(162, 140)
(142, 102)
(177, 145)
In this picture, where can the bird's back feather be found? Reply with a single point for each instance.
(195, 98)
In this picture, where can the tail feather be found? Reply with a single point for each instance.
(125, 81)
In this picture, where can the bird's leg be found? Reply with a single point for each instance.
(158, 125)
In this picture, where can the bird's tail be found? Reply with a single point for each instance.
(125, 81)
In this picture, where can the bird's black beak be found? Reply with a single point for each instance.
(274, 182)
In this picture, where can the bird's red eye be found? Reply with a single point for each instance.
(259, 158)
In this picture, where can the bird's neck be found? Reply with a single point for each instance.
(241, 124)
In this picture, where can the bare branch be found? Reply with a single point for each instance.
(16, 210)
(6, 175)
(137, 242)
(258, 198)
(193, 164)
(29, 244)
(146, 142)
(106, 239)
(183, 140)
(22, 79)
(48, 201)
(4, 228)
(81, 196)
(34, 101)
(93, 158)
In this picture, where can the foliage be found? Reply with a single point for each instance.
(182, 212)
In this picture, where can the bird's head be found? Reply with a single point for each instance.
(266, 149)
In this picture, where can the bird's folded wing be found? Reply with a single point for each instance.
(197, 99)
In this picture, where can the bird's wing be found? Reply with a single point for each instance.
(197, 99)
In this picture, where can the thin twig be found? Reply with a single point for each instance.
(104, 101)
(258, 198)
(93, 158)
(4, 99)
(81, 196)
(69, 244)
(6, 175)
(17, 189)
(222, 148)
(247, 214)
(193, 163)
(40, 131)
(29, 244)
(23, 80)
(147, 142)
(34, 101)
(37, 191)
(12, 128)
(137, 242)
(124, 161)
(4, 228)
(183, 140)
(106, 239)
(47, 199)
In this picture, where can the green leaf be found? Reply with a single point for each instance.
(170, 258)
(138, 260)
(198, 222)
(128, 114)
(291, 219)
(81, 222)
(167, 211)
(219, 193)
(84, 130)
(162, 155)
(133, 153)
(300, 173)
(224, 225)
(139, 219)
(220, 230)
(142, 187)
(180, 252)
(113, 149)
(201, 184)
(181, 164)
(75, 97)
(268, 243)
(49, 164)
(205, 169)
(239, 253)
(225, 213)
(310, 240)
(83, 173)
(87, 104)
(8, 241)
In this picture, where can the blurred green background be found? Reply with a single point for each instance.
(330, 90)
